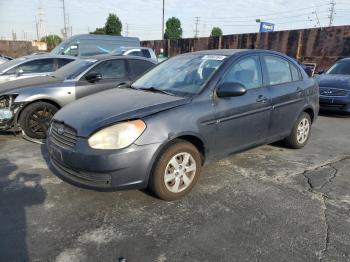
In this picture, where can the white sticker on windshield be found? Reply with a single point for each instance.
(90, 60)
(214, 57)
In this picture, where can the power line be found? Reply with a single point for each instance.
(264, 15)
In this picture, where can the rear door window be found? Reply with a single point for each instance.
(138, 67)
(136, 53)
(146, 53)
(296, 76)
(111, 69)
(278, 69)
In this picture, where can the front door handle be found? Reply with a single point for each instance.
(262, 99)
(299, 91)
(123, 84)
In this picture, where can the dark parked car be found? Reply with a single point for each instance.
(335, 87)
(190, 109)
(30, 66)
(30, 104)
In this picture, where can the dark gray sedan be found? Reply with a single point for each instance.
(190, 109)
(335, 88)
(29, 104)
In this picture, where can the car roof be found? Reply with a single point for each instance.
(115, 56)
(344, 59)
(231, 52)
(133, 47)
(44, 56)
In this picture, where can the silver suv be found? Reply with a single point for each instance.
(136, 51)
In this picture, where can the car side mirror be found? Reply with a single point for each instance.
(19, 72)
(93, 77)
(230, 89)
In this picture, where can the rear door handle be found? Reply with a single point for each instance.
(261, 99)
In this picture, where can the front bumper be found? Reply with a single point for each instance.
(127, 168)
(335, 104)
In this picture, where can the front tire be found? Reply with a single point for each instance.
(176, 171)
(301, 132)
(35, 119)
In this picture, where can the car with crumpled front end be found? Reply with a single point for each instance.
(29, 104)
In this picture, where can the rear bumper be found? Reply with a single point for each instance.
(127, 168)
(335, 104)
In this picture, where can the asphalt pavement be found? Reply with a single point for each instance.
(267, 204)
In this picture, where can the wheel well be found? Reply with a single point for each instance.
(32, 102)
(311, 114)
(197, 142)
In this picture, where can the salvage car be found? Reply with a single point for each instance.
(29, 104)
(335, 88)
(186, 111)
(136, 51)
(31, 66)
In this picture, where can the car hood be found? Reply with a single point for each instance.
(94, 112)
(336, 81)
(17, 86)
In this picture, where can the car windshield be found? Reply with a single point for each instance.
(58, 50)
(181, 75)
(73, 69)
(340, 68)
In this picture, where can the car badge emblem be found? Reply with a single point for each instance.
(60, 130)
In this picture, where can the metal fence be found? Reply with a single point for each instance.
(322, 46)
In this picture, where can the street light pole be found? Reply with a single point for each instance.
(163, 22)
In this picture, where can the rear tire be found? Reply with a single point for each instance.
(35, 119)
(176, 171)
(300, 133)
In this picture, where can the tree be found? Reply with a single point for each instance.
(173, 29)
(216, 31)
(99, 31)
(51, 41)
(113, 26)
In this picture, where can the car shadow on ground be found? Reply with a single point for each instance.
(332, 114)
(18, 191)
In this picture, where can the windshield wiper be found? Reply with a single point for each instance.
(156, 90)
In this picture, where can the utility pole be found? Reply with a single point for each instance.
(64, 32)
(127, 30)
(40, 23)
(331, 13)
(196, 31)
(163, 22)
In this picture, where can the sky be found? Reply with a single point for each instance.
(143, 18)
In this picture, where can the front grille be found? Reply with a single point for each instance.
(63, 135)
(333, 92)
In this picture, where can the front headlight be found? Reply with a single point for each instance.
(117, 136)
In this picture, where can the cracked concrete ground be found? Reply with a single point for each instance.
(267, 204)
